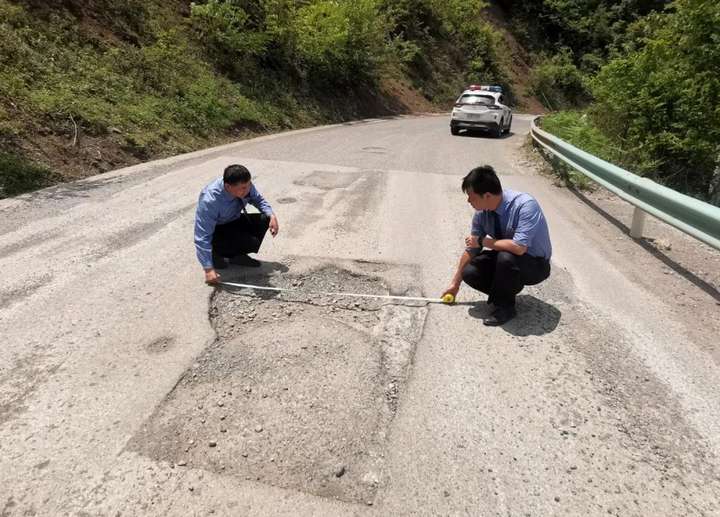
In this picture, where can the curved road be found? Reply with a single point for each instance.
(600, 398)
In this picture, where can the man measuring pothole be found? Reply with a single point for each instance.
(302, 383)
(298, 391)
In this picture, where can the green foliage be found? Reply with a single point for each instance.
(18, 176)
(229, 28)
(436, 39)
(647, 69)
(662, 101)
(161, 96)
(156, 79)
(578, 129)
(324, 41)
(425, 20)
(340, 42)
(588, 27)
(558, 83)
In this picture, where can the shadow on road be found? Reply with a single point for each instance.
(484, 134)
(669, 262)
(261, 276)
(534, 316)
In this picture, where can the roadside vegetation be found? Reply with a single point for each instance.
(92, 85)
(632, 81)
(87, 86)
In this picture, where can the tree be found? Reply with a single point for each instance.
(662, 101)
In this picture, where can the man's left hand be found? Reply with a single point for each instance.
(274, 226)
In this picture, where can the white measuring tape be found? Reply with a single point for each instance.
(444, 299)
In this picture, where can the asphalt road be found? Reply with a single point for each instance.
(600, 398)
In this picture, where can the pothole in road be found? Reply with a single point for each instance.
(298, 391)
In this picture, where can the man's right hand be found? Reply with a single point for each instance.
(452, 289)
(472, 241)
(212, 277)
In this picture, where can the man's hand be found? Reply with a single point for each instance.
(456, 281)
(274, 226)
(471, 241)
(212, 277)
(452, 289)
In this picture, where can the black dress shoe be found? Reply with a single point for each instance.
(219, 262)
(501, 316)
(245, 261)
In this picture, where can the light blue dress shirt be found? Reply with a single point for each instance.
(217, 206)
(521, 219)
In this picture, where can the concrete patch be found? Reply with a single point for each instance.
(299, 390)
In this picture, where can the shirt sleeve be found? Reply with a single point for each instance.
(529, 218)
(476, 228)
(258, 201)
(205, 221)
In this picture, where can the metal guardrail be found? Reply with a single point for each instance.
(692, 216)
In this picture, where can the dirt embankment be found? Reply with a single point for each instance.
(517, 61)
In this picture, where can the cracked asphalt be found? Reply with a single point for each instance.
(128, 387)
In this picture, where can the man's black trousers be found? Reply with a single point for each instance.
(243, 235)
(502, 275)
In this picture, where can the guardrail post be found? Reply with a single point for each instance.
(638, 223)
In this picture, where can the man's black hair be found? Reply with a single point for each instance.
(235, 174)
(482, 180)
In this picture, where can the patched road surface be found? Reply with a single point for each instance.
(128, 387)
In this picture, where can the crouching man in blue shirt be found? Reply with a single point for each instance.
(223, 228)
(512, 228)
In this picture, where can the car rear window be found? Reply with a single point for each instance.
(484, 100)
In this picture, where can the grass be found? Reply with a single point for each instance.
(576, 128)
(161, 98)
(138, 77)
(18, 176)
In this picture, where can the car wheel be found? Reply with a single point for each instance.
(454, 130)
(498, 131)
(507, 130)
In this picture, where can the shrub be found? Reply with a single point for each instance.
(340, 42)
(230, 30)
(558, 83)
(18, 176)
(662, 101)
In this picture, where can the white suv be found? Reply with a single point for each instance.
(481, 107)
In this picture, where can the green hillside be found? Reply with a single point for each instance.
(634, 81)
(87, 86)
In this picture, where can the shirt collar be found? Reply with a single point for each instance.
(227, 196)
